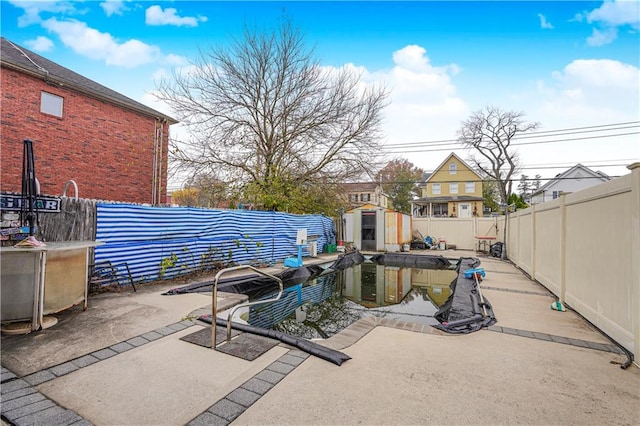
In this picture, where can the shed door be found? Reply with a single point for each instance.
(369, 231)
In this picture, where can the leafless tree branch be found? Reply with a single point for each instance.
(490, 132)
(264, 110)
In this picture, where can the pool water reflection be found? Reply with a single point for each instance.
(325, 305)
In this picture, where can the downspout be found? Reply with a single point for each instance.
(160, 162)
(154, 178)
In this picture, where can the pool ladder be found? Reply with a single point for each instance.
(214, 312)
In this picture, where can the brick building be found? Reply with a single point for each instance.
(112, 147)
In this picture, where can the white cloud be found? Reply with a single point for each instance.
(102, 46)
(33, 9)
(600, 38)
(601, 73)
(544, 24)
(176, 60)
(424, 100)
(39, 44)
(611, 15)
(113, 7)
(592, 91)
(156, 16)
(617, 13)
(584, 93)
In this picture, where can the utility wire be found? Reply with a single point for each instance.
(540, 134)
(461, 146)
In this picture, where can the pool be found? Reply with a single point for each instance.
(323, 305)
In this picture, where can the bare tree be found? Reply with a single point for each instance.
(265, 114)
(490, 131)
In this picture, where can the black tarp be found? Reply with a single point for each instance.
(305, 345)
(466, 310)
(411, 260)
(252, 282)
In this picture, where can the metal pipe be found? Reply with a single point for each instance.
(66, 185)
(214, 304)
(484, 309)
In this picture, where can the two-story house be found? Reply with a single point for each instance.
(575, 179)
(453, 190)
(359, 194)
(110, 146)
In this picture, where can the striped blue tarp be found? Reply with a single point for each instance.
(164, 242)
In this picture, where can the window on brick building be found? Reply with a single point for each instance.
(51, 104)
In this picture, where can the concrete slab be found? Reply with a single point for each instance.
(165, 382)
(399, 377)
(533, 313)
(111, 318)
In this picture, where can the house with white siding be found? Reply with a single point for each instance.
(575, 179)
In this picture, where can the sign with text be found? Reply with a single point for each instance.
(43, 204)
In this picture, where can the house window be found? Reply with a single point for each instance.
(354, 197)
(556, 194)
(365, 197)
(440, 210)
(453, 188)
(452, 168)
(470, 187)
(435, 188)
(51, 104)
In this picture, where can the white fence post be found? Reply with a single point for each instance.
(635, 254)
(533, 242)
(563, 247)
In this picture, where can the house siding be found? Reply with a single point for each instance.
(107, 150)
(573, 180)
(443, 177)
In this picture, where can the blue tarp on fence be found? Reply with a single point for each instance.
(169, 241)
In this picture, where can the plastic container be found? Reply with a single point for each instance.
(330, 248)
(313, 249)
(443, 244)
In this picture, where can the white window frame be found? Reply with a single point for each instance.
(453, 188)
(470, 187)
(435, 189)
(453, 169)
(51, 104)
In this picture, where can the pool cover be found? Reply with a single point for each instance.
(288, 276)
(466, 310)
(305, 345)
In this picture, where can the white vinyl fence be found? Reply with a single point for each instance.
(585, 248)
(460, 232)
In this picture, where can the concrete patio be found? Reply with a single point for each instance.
(122, 362)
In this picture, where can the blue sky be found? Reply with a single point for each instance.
(567, 65)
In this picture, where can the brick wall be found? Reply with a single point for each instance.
(107, 150)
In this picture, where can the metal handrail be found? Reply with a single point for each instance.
(214, 311)
(75, 187)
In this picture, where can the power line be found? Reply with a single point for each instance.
(461, 146)
(531, 135)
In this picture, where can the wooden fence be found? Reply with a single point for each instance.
(76, 221)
